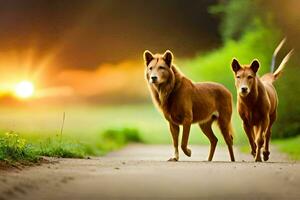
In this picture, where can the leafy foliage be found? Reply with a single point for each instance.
(15, 148)
(238, 17)
(115, 138)
(288, 89)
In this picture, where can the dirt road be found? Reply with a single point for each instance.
(141, 172)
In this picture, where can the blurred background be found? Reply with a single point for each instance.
(74, 69)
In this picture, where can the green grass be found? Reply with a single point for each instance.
(289, 146)
(56, 147)
(13, 148)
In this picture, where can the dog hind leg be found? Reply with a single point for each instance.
(225, 127)
(185, 138)
(207, 130)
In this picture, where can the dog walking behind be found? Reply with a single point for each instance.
(184, 103)
(257, 102)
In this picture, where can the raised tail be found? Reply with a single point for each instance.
(274, 75)
(278, 71)
(275, 54)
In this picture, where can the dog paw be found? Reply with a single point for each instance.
(253, 153)
(266, 155)
(258, 159)
(173, 159)
(187, 152)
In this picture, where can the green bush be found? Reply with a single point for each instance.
(15, 148)
(288, 89)
(237, 17)
(122, 135)
(115, 138)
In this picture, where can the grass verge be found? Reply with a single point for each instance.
(289, 146)
(17, 150)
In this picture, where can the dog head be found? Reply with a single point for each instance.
(158, 67)
(245, 76)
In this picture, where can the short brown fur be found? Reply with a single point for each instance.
(257, 104)
(183, 103)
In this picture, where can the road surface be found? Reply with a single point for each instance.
(141, 172)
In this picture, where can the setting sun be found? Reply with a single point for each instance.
(24, 89)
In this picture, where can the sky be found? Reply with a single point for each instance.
(86, 34)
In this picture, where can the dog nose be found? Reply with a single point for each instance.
(154, 78)
(244, 89)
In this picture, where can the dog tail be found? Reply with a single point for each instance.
(271, 77)
(278, 71)
(275, 54)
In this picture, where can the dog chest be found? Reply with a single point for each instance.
(253, 117)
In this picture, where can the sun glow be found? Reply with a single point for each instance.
(24, 89)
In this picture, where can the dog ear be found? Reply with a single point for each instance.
(254, 65)
(235, 65)
(168, 57)
(148, 56)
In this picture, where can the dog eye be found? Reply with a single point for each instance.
(161, 67)
(250, 77)
(150, 68)
(238, 77)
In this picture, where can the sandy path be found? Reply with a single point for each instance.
(141, 172)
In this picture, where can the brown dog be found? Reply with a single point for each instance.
(257, 103)
(184, 103)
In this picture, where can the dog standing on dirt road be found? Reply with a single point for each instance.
(257, 102)
(184, 103)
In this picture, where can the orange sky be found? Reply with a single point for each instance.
(107, 80)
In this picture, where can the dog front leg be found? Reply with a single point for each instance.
(185, 137)
(260, 132)
(266, 151)
(249, 132)
(175, 133)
